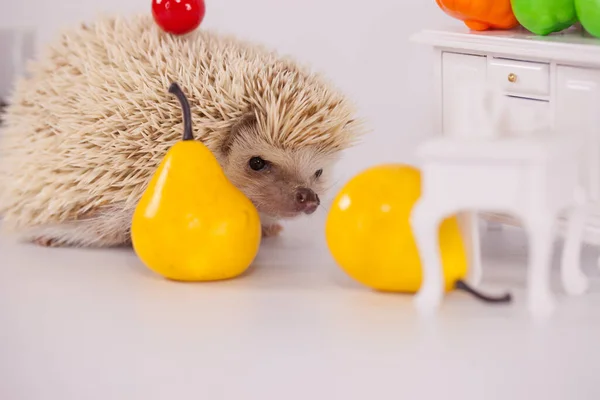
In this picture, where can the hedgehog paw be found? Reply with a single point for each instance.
(46, 242)
(271, 230)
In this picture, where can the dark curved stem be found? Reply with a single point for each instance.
(461, 285)
(185, 106)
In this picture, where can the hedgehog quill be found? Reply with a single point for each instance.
(84, 132)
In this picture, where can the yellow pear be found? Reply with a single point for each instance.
(192, 223)
(369, 235)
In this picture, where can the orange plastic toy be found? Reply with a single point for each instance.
(481, 15)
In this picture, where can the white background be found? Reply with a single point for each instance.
(362, 46)
(87, 325)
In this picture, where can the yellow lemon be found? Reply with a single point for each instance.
(369, 234)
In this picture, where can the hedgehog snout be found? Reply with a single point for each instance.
(307, 200)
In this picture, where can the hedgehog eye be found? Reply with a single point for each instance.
(319, 173)
(257, 163)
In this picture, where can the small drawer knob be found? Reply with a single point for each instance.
(512, 77)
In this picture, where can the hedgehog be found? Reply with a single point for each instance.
(85, 130)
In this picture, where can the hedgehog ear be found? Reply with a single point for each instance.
(245, 122)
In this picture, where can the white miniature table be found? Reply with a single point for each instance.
(555, 78)
(535, 178)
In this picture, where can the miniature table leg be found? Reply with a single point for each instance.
(574, 280)
(469, 226)
(540, 228)
(425, 222)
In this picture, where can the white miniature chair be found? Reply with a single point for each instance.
(534, 177)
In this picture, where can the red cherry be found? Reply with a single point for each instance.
(178, 16)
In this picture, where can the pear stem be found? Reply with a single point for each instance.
(185, 106)
(462, 285)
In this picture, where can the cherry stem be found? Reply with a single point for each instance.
(185, 106)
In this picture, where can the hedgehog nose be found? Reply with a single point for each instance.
(307, 200)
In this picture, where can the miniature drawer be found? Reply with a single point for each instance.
(520, 77)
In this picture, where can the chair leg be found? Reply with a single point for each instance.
(469, 227)
(541, 235)
(573, 279)
(425, 222)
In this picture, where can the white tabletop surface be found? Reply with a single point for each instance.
(97, 325)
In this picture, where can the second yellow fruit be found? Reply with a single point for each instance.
(369, 234)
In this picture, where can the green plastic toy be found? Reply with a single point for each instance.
(543, 17)
(588, 12)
